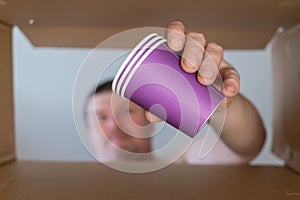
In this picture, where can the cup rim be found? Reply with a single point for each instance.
(128, 66)
(128, 58)
(138, 64)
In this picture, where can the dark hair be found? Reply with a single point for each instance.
(103, 87)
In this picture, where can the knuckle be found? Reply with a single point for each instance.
(215, 47)
(199, 37)
(232, 74)
(179, 23)
(176, 26)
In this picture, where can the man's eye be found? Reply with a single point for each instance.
(131, 111)
(101, 118)
(134, 110)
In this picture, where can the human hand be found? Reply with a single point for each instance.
(202, 57)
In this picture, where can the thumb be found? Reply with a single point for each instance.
(151, 117)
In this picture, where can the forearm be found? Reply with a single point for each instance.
(243, 130)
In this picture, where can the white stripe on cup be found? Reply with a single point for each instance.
(137, 56)
(128, 58)
(138, 65)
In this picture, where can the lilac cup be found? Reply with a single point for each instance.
(151, 76)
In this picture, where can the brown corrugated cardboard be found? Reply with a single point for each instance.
(50, 180)
(43, 180)
(235, 25)
(286, 68)
(91, 36)
(7, 148)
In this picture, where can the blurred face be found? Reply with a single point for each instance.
(117, 126)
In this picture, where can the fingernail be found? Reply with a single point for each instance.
(191, 62)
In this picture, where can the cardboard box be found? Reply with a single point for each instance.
(286, 76)
(235, 25)
(55, 180)
(7, 147)
(77, 181)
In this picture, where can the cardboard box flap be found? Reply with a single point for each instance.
(90, 37)
(7, 147)
(50, 180)
(286, 78)
(235, 25)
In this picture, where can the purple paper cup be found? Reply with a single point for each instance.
(151, 76)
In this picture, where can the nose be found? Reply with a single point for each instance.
(112, 124)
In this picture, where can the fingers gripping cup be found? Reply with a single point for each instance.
(151, 76)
